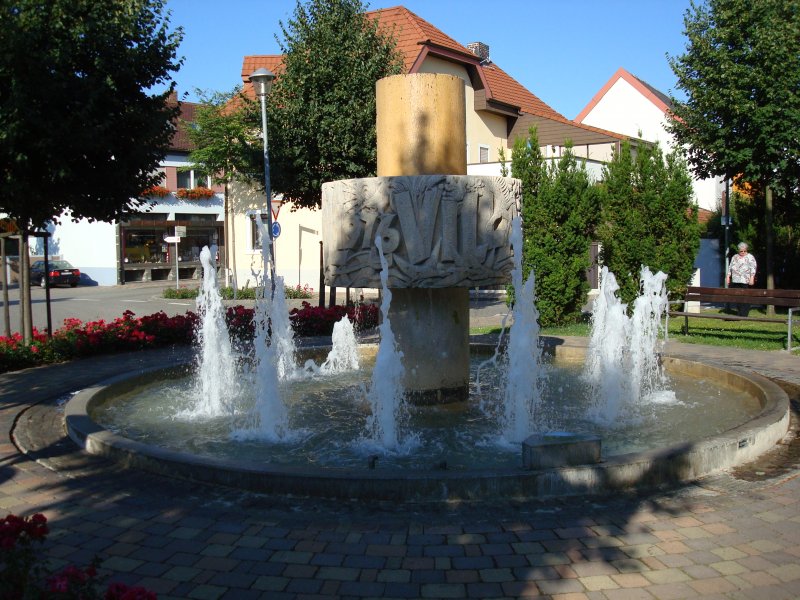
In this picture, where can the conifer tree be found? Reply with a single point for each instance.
(559, 210)
(648, 217)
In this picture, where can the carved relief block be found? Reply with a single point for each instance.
(437, 231)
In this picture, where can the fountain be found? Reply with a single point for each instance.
(402, 426)
(216, 368)
(622, 366)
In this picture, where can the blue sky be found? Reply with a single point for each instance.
(563, 51)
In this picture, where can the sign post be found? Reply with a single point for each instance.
(174, 239)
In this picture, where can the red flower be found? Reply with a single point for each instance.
(120, 591)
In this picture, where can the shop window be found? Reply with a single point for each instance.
(145, 246)
(196, 218)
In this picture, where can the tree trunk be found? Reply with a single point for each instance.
(4, 279)
(769, 242)
(25, 289)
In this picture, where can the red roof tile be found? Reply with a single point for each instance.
(180, 139)
(411, 31)
(417, 38)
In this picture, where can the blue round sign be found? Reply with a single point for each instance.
(276, 229)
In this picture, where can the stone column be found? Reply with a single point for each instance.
(421, 130)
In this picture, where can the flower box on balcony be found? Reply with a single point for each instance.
(198, 193)
(156, 191)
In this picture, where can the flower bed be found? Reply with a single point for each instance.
(23, 573)
(77, 339)
(318, 320)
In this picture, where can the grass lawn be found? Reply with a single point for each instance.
(713, 332)
(741, 334)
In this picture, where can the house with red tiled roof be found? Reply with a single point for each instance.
(135, 249)
(633, 107)
(499, 109)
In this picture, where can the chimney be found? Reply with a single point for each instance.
(480, 50)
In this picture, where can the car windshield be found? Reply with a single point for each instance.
(59, 264)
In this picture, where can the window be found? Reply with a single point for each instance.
(192, 179)
(484, 154)
(196, 218)
(185, 179)
(255, 230)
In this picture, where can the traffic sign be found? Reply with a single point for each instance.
(276, 229)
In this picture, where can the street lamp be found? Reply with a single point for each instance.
(262, 82)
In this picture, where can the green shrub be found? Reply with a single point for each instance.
(559, 211)
(246, 293)
(648, 217)
(181, 293)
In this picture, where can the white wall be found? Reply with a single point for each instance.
(625, 110)
(90, 247)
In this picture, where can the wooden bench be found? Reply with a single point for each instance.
(789, 299)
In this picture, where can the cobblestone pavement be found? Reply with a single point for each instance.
(733, 535)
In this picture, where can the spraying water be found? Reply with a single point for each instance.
(386, 391)
(216, 367)
(343, 356)
(269, 418)
(525, 372)
(648, 309)
(622, 365)
(605, 358)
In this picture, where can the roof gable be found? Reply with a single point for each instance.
(659, 99)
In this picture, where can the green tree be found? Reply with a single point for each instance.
(226, 145)
(322, 106)
(740, 73)
(647, 217)
(79, 129)
(748, 221)
(80, 132)
(559, 210)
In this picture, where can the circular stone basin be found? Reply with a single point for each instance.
(446, 463)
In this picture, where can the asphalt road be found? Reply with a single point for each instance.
(92, 303)
(109, 302)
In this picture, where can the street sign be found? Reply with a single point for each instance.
(180, 231)
(172, 239)
(276, 229)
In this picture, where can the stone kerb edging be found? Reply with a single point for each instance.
(643, 470)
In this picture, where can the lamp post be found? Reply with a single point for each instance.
(262, 83)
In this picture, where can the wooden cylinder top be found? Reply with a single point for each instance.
(421, 125)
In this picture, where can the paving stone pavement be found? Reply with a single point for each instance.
(732, 535)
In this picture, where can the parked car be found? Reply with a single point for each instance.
(61, 272)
